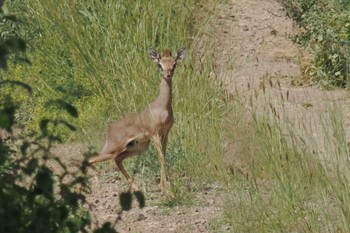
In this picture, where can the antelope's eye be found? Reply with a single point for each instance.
(160, 66)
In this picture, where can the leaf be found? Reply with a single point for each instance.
(320, 38)
(63, 212)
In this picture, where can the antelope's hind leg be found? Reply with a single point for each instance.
(119, 162)
(92, 160)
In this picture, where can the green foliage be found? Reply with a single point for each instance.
(326, 33)
(34, 198)
(31, 198)
(182, 194)
(297, 8)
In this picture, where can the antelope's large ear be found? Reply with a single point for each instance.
(154, 55)
(180, 54)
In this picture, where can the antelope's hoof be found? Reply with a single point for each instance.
(134, 188)
(165, 188)
(168, 193)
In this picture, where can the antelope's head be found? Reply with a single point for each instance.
(166, 62)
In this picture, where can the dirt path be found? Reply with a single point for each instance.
(253, 43)
(255, 51)
(253, 46)
(103, 202)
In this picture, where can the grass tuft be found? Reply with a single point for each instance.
(279, 178)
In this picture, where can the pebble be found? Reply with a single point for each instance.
(141, 217)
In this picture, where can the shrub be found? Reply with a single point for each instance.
(326, 33)
(34, 198)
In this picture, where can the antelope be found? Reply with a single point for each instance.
(132, 134)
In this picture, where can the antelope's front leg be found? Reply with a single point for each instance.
(165, 142)
(163, 180)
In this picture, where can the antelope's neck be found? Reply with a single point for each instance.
(165, 94)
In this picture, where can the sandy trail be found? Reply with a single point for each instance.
(256, 51)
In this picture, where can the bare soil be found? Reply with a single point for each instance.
(256, 55)
(253, 47)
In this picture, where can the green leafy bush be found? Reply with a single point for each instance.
(33, 197)
(326, 33)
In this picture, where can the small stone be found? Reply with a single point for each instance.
(273, 32)
(141, 217)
